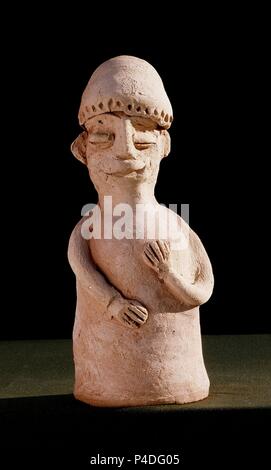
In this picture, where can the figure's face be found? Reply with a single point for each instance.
(123, 147)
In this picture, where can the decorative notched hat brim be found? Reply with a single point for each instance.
(130, 85)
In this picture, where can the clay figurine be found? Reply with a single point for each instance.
(136, 337)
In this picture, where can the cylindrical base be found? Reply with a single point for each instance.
(159, 363)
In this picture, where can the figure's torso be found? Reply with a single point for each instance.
(161, 362)
(121, 261)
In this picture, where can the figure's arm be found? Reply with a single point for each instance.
(191, 294)
(127, 311)
(84, 268)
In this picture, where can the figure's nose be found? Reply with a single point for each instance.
(126, 149)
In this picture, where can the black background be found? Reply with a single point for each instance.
(214, 66)
(214, 75)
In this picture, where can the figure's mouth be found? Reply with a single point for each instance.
(127, 172)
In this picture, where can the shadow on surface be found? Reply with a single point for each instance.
(59, 429)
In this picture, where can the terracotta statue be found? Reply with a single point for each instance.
(136, 335)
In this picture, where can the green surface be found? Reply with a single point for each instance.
(239, 368)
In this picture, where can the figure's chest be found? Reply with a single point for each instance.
(118, 257)
(123, 260)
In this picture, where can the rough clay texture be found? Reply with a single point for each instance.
(136, 337)
(123, 84)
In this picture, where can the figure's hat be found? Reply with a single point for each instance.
(126, 84)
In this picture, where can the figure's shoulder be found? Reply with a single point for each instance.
(79, 235)
(178, 230)
(77, 229)
(78, 247)
(173, 221)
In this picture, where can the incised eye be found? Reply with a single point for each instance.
(101, 139)
(143, 145)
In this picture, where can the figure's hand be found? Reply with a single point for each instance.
(156, 255)
(128, 312)
(133, 314)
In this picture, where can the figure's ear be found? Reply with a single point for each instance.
(166, 142)
(78, 147)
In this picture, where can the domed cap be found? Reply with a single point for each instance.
(126, 84)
